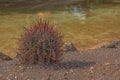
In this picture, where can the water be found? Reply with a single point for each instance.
(84, 28)
(80, 13)
(87, 28)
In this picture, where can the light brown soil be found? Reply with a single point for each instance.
(97, 64)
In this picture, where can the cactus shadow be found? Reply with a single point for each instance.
(75, 64)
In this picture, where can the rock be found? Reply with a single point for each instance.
(68, 46)
(113, 44)
(4, 57)
(107, 64)
(116, 42)
(110, 45)
(91, 68)
(71, 71)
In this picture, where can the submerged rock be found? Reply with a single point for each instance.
(109, 46)
(68, 46)
(113, 44)
(116, 42)
(4, 57)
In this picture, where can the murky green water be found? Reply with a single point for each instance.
(87, 28)
(83, 27)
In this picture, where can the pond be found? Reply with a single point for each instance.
(86, 28)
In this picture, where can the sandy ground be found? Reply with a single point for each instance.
(96, 64)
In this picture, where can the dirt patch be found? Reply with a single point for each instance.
(96, 64)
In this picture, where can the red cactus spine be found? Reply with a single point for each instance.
(41, 43)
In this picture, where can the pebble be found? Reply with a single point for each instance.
(107, 64)
(71, 71)
(30, 67)
(8, 78)
(109, 45)
(10, 74)
(20, 66)
(68, 46)
(15, 77)
(91, 68)
(21, 69)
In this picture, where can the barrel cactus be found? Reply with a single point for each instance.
(40, 43)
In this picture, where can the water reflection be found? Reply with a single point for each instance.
(80, 13)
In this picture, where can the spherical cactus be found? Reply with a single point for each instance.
(40, 43)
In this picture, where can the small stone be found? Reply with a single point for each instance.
(68, 46)
(109, 46)
(107, 63)
(20, 66)
(29, 67)
(10, 74)
(8, 78)
(66, 73)
(116, 42)
(15, 77)
(71, 71)
(91, 71)
(91, 68)
(21, 69)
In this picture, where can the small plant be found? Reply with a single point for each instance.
(40, 43)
